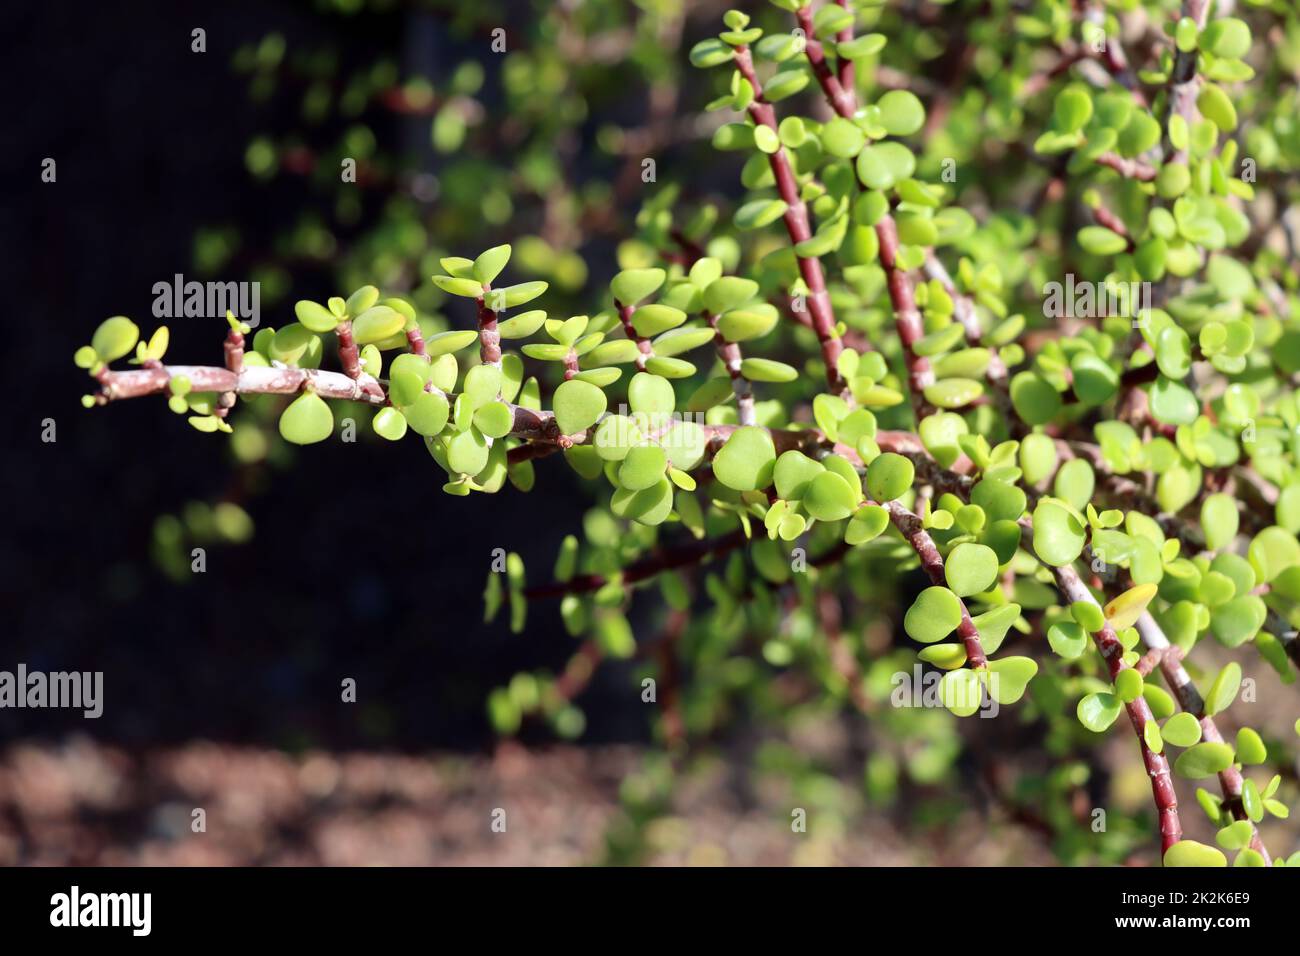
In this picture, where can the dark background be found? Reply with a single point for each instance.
(361, 567)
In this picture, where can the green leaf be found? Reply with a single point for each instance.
(428, 414)
(1191, 853)
(307, 420)
(465, 288)
(868, 523)
(1226, 37)
(1224, 689)
(643, 467)
(489, 263)
(962, 691)
(513, 296)
(1128, 685)
(881, 165)
(1216, 106)
(1100, 241)
(1203, 760)
(934, 615)
(1067, 639)
(1072, 109)
(829, 497)
(793, 472)
(315, 316)
(650, 320)
(578, 405)
(889, 476)
(759, 213)
(1058, 536)
(746, 461)
(632, 285)
(953, 392)
(1098, 711)
(376, 324)
(728, 292)
(444, 343)
(842, 138)
(522, 325)
(649, 394)
(114, 338)
(901, 113)
(388, 423)
(1250, 747)
(970, 569)
(1182, 730)
(1036, 401)
(767, 370)
(1008, 678)
(742, 325)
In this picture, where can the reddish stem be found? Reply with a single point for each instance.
(797, 225)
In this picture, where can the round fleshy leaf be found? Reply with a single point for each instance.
(992, 625)
(615, 436)
(1191, 853)
(767, 370)
(648, 506)
(1058, 536)
(961, 691)
(490, 262)
(1219, 520)
(1008, 678)
(728, 292)
(643, 467)
(869, 522)
(307, 420)
(632, 285)
(1034, 399)
(1098, 711)
(1182, 730)
(444, 343)
(944, 656)
(578, 405)
(1068, 639)
(1128, 685)
(970, 569)
(114, 338)
(389, 423)
(495, 419)
(746, 461)
(901, 113)
(650, 320)
(1203, 760)
(1250, 747)
(428, 414)
(1237, 621)
(649, 394)
(743, 325)
(315, 316)
(889, 476)
(793, 471)
(829, 497)
(1224, 689)
(376, 324)
(1000, 500)
(934, 615)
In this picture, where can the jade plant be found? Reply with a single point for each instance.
(1007, 363)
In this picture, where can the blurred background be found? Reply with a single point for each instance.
(222, 689)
